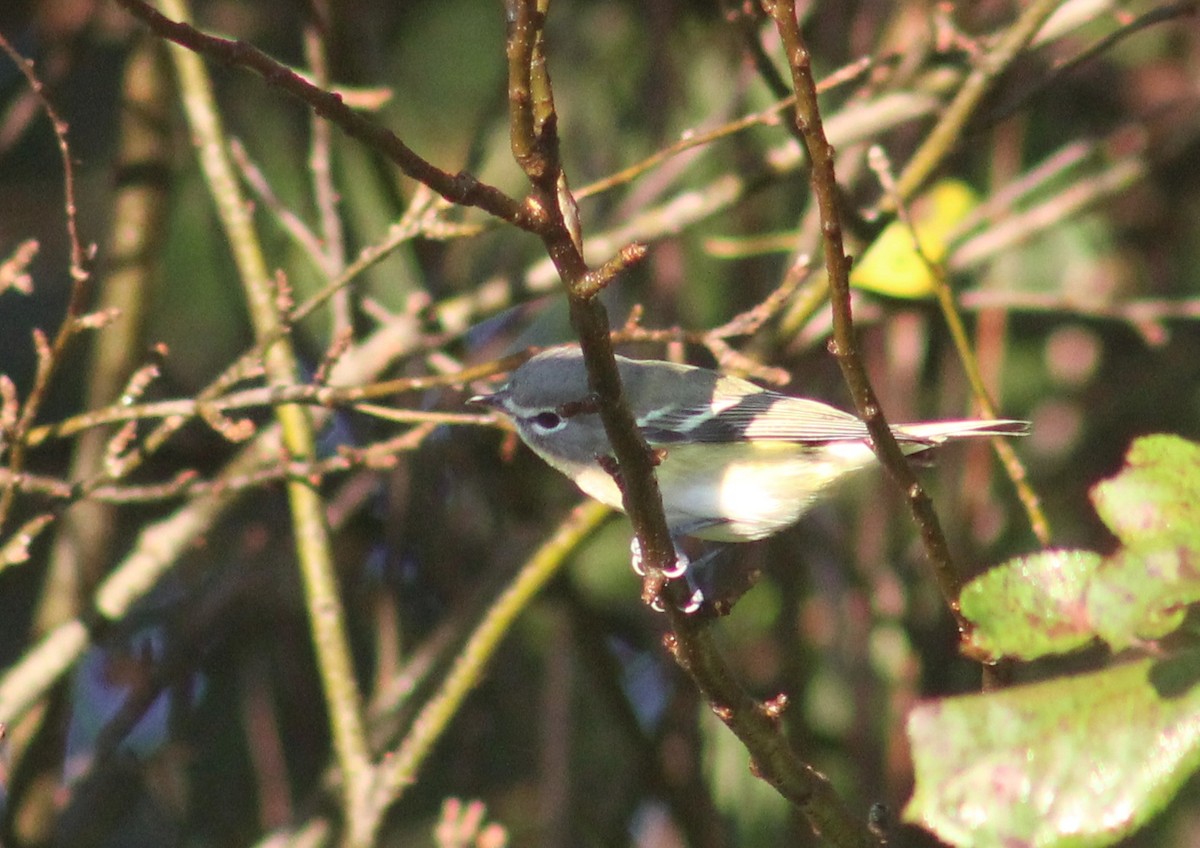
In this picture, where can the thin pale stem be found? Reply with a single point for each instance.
(313, 547)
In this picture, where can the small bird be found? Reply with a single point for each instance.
(737, 462)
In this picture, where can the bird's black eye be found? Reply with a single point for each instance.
(547, 420)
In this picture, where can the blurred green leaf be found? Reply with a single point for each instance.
(1057, 601)
(1156, 497)
(1077, 761)
(1032, 606)
(1140, 593)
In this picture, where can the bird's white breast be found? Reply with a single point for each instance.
(733, 494)
(750, 495)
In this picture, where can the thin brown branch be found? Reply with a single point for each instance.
(692, 138)
(188, 483)
(947, 133)
(268, 396)
(747, 19)
(771, 754)
(461, 188)
(159, 545)
(49, 355)
(1145, 315)
(837, 265)
(535, 145)
(248, 366)
(1008, 227)
(1157, 15)
(83, 543)
(292, 224)
(715, 339)
(320, 163)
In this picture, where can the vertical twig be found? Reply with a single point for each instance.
(313, 549)
(49, 356)
(966, 355)
(535, 147)
(320, 163)
(534, 132)
(837, 265)
(83, 541)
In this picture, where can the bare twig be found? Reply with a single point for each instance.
(692, 138)
(292, 223)
(1156, 15)
(321, 167)
(535, 146)
(159, 545)
(1143, 314)
(715, 340)
(461, 188)
(250, 365)
(49, 355)
(189, 484)
(958, 332)
(268, 396)
(83, 542)
(313, 546)
(825, 190)
(945, 136)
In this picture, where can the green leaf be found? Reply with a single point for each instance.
(1078, 761)
(1153, 507)
(1058, 601)
(1031, 606)
(1156, 497)
(1140, 593)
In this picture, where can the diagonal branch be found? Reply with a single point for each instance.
(837, 264)
(312, 542)
(534, 131)
(461, 188)
(535, 145)
(943, 138)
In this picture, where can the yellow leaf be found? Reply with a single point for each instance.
(891, 266)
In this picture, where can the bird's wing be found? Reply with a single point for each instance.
(736, 417)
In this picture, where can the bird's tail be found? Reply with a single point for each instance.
(936, 432)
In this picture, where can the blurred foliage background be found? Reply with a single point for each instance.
(1076, 270)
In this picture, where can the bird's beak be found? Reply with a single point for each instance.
(494, 401)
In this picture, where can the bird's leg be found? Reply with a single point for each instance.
(682, 562)
(679, 569)
(702, 579)
(696, 575)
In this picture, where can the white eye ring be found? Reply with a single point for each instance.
(548, 421)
